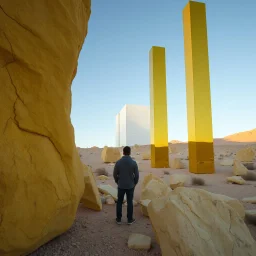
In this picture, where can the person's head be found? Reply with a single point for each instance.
(126, 151)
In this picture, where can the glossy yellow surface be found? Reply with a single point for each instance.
(199, 116)
(158, 109)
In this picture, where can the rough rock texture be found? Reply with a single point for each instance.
(144, 206)
(153, 187)
(245, 154)
(109, 190)
(139, 242)
(91, 197)
(110, 155)
(103, 177)
(191, 221)
(239, 169)
(178, 180)
(176, 163)
(41, 175)
(236, 179)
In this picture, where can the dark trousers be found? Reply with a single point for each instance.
(120, 199)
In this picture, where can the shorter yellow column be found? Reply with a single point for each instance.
(158, 109)
(199, 115)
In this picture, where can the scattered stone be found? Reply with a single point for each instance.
(91, 198)
(236, 179)
(245, 154)
(139, 242)
(188, 219)
(102, 177)
(146, 156)
(178, 180)
(176, 163)
(166, 172)
(251, 200)
(109, 190)
(144, 206)
(137, 153)
(110, 154)
(239, 169)
(227, 162)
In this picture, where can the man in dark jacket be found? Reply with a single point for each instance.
(126, 176)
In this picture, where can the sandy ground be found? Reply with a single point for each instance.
(96, 233)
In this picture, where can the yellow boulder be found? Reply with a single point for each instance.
(153, 187)
(91, 197)
(191, 221)
(41, 175)
(110, 154)
(239, 169)
(178, 180)
(236, 179)
(245, 154)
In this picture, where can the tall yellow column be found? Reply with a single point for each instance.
(199, 116)
(158, 109)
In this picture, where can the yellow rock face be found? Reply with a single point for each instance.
(110, 155)
(41, 175)
(91, 197)
(239, 169)
(191, 221)
(236, 179)
(153, 187)
(245, 154)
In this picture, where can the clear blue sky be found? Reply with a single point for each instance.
(113, 66)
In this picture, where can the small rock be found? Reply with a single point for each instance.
(236, 179)
(251, 200)
(103, 177)
(139, 242)
(227, 162)
(176, 164)
(178, 180)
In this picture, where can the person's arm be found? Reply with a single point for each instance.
(116, 173)
(136, 174)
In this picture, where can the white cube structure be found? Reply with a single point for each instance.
(132, 126)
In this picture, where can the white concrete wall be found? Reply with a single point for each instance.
(118, 129)
(134, 125)
(122, 123)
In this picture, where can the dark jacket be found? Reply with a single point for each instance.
(126, 173)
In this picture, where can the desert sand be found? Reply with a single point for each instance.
(96, 233)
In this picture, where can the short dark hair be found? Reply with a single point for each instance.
(126, 151)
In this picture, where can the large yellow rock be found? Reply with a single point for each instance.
(191, 221)
(245, 154)
(91, 196)
(41, 175)
(153, 187)
(110, 154)
(239, 169)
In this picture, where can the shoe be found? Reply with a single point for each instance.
(118, 221)
(130, 222)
